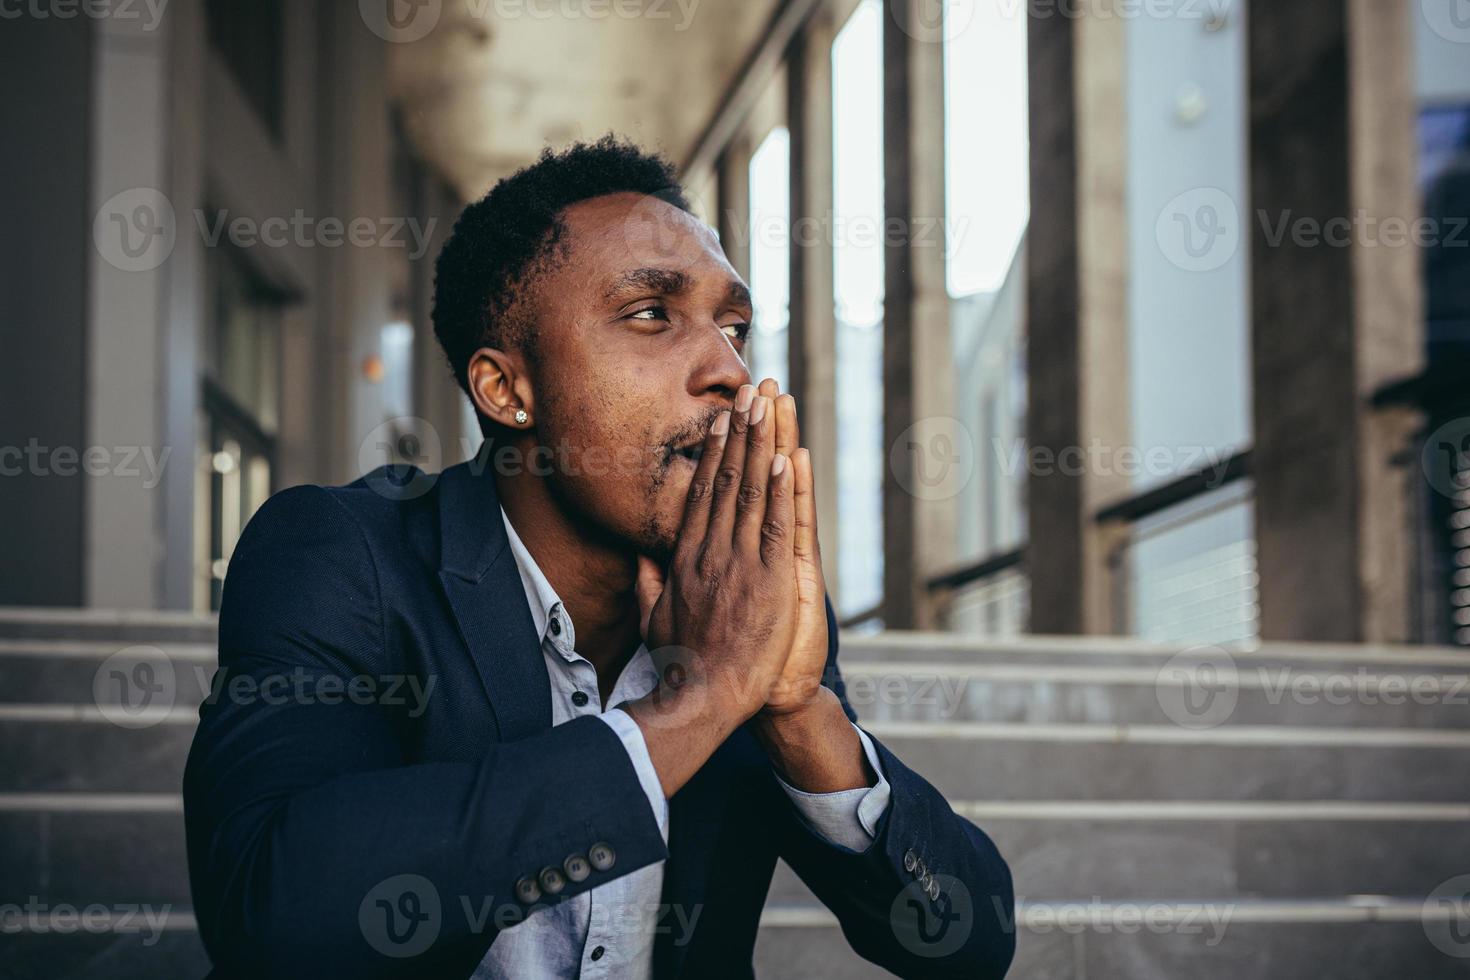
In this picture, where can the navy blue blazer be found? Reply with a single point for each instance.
(340, 826)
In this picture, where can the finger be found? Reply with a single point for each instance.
(778, 519)
(649, 586)
(788, 432)
(728, 474)
(701, 488)
(769, 388)
(806, 547)
(750, 507)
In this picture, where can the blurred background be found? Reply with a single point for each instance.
(1130, 337)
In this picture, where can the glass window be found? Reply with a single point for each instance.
(770, 256)
(857, 230)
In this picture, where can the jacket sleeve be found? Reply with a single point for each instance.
(886, 914)
(316, 847)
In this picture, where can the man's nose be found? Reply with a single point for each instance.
(721, 371)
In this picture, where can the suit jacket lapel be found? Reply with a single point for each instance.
(479, 574)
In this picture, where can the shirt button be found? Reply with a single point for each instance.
(555, 626)
(579, 698)
(552, 880)
(576, 867)
(601, 856)
(597, 953)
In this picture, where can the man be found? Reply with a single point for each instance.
(628, 703)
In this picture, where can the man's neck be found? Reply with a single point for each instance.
(593, 576)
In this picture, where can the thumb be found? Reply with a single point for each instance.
(650, 586)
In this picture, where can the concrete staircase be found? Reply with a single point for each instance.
(1292, 811)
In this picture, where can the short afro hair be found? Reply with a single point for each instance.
(500, 243)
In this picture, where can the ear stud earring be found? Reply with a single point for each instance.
(521, 417)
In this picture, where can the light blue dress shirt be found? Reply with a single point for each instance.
(608, 932)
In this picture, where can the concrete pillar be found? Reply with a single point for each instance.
(1336, 313)
(812, 335)
(733, 191)
(918, 393)
(1077, 312)
(47, 65)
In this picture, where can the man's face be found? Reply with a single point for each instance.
(639, 335)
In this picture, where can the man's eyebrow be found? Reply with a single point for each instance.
(739, 294)
(653, 280)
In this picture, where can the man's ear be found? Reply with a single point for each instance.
(501, 389)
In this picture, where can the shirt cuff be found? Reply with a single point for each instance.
(848, 818)
(632, 738)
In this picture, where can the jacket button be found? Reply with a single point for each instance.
(552, 880)
(910, 861)
(934, 890)
(576, 867)
(528, 891)
(921, 869)
(602, 856)
(925, 880)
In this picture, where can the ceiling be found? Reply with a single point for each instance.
(495, 81)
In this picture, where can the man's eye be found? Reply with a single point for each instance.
(736, 331)
(649, 313)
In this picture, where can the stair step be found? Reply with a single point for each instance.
(1085, 693)
(108, 625)
(1338, 938)
(1374, 849)
(65, 748)
(1165, 762)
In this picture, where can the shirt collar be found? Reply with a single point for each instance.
(546, 605)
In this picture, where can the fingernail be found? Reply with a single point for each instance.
(722, 424)
(743, 398)
(778, 465)
(758, 410)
